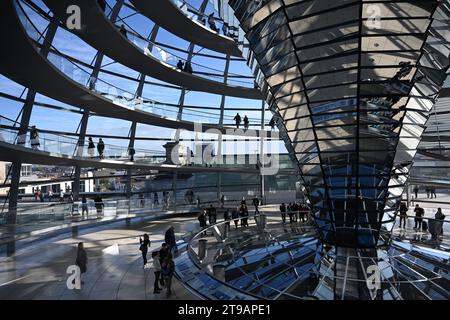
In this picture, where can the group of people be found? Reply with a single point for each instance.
(296, 211)
(430, 190)
(237, 118)
(163, 264)
(101, 149)
(434, 226)
(185, 66)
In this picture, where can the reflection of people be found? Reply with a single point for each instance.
(155, 198)
(403, 213)
(419, 213)
(439, 222)
(416, 191)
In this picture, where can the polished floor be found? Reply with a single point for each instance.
(115, 267)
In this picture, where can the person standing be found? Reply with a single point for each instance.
(34, 137)
(61, 195)
(403, 214)
(169, 237)
(283, 212)
(419, 213)
(416, 190)
(246, 122)
(157, 272)
(155, 199)
(180, 65)
(81, 260)
(84, 206)
(99, 204)
(237, 118)
(427, 190)
(222, 201)
(144, 244)
(91, 147)
(50, 195)
(202, 219)
(212, 215)
(167, 270)
(439, 222)
(227, 218)
(100, 148)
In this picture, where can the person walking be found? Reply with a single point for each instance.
(144, 244)
(61, 195)
(256, 204)
(34, 138)
(84, 206)
(433, 192)
(237, 118)
(169, 238)
(419, 213)
(142, 200)
(167, 270)
(283, 212)
(100, 148)
(427, 190)
(403, 214)
(246, 122)
(81, 260)
(91, 147)
(155, 199)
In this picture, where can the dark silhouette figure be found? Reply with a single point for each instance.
(283, 212)
(419, 213)
(34, 137)
(237, 118)
(123, 31)
(167, 270)
(246, 122)
(180, 65)
(91, 148)
(188, 67)
(100, 148)
(144, 244)
(403, 213)
(169, 237)
(99, 204)
(212, 22)
(416, 191)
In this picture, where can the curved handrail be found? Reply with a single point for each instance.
(83, 77)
